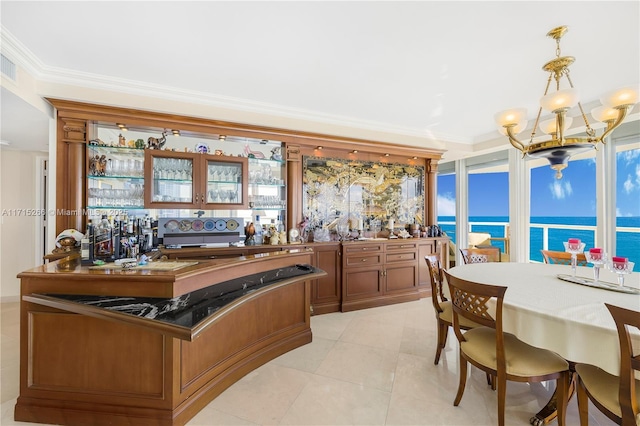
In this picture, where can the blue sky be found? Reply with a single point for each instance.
(573, 195)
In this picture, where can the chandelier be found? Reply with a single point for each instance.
(557, 148)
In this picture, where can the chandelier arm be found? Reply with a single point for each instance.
(622, 113)
(589, 130)
(535, 125)
(560, 126)
(514, 141)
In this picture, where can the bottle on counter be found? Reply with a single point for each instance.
(87, 246)
(258, 236)
(103, 248)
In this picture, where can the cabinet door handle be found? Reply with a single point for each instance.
(197, 197)
(363, 260)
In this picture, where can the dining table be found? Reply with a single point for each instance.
(549, 307)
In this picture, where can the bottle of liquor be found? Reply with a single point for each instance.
(103, 248)
(258, 236)
(87, 246)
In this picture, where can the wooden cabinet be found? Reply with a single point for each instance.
(326, 295)
(401, 269)
(195, 181)
(378, 273)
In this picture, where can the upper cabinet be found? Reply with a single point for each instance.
(195, 181)
(267, 184)
(115, 177)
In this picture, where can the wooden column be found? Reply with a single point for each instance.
(70, 174)
(294, 186)
(431, 193)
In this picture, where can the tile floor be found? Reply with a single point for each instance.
(369, 367)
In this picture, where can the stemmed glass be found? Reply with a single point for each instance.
(621, 266)
(343, 231)
(375, 227)
(574, 247)
(597, 258)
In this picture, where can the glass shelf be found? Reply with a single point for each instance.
(115, 147)
(97, 177)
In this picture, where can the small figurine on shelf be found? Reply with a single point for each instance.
(274, 236)
(157, 143)
(218, 152)
(275, 154)
(202, 148)
(252, 154)
(98, 165)
(121, 140)
(250, 231)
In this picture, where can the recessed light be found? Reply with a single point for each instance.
(222, 137)
(122, 127)
(319, 147)
(355, 151)
(176, 132)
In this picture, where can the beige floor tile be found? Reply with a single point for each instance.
(326, 401)
(367, 367)
(360, 364)
(264, 395)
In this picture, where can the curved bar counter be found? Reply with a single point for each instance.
(147, 346)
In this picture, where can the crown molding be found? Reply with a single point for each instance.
(23, 57)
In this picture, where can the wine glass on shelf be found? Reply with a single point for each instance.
(621, 266)
(574, 246)
(597, 258)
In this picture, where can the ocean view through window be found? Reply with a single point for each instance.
(559, 209)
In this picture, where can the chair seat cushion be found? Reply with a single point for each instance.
(447, 315)
(522, 360)
(603, 387)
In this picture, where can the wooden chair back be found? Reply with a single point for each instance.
(629, 364)
(562, 258)
(481, 255)
(437, 279)
(471, 300)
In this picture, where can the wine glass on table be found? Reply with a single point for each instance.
(574, 246)
(597, 258)
(621, 266)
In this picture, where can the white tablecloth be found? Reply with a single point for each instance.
(544, 311)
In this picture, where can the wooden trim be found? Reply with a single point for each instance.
(134, 117)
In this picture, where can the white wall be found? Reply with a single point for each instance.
(18, 230)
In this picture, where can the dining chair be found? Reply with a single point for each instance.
(480, 255)
(562, 258)
(441, 305)
(501, 355)
(618, 397)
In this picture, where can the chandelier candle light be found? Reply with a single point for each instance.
(557, 149)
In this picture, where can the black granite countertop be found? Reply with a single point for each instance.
(191, 308)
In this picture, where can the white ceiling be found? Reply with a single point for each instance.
(435, 69)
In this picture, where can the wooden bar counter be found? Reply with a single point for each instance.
(85, 359)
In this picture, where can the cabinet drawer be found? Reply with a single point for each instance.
(401, 257)
(364, 260)
(362, 248)
(403, 246)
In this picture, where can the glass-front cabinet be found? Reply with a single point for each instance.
(115, 177)
(195, 181)
(226, 182)
(266, 184)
